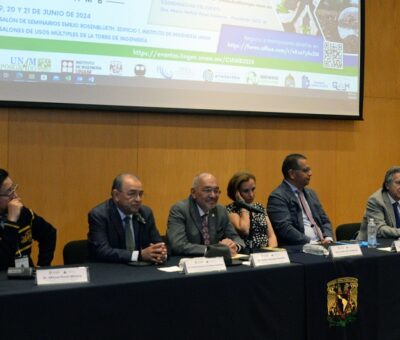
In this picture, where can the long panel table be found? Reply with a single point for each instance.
(280, 302)
(143, 303)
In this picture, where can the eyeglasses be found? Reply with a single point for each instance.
(10, 192)
(208, 191)
(134, 193)
(305, 170)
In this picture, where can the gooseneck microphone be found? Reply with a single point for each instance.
(249, 207)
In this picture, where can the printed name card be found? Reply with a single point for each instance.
(345, 250)
(204, 265)
(396, 246)
(269, 259)
(62, 275)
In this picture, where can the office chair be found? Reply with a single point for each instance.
(347, 231)
(76, 252)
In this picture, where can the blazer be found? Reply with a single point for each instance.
(184, 228)
(286, 216)
(381, 210)
(106, 237)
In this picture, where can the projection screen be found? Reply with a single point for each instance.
(222, 56)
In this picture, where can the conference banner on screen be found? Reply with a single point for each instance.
(259, 56)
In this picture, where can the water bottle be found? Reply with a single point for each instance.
(372, 229)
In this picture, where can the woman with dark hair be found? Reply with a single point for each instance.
(248, 217)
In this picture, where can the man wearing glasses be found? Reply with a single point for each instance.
(121, 229)
(295, 212)
(199, 221)
(19, 226)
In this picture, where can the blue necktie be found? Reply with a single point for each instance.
(396, 213)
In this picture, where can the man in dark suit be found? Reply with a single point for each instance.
(295, 212)
(19, 227)
(199, 221)
(121, 229)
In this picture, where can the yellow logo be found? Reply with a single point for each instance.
(342, 295)
(26, 237)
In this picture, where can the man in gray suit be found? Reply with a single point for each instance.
(199, 221)
(295, 212)
(383, 206)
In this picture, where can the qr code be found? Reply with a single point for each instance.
(333, 55)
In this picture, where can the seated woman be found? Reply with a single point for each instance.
(253, 226)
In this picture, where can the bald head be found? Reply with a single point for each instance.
(205, 191)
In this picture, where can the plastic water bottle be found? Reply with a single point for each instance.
(372, 229)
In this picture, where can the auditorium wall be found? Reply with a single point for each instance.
(65, 160)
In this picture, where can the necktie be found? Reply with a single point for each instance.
(129, 240)
(396, 213)
(309, 215)
(135, 225)
(204, 229)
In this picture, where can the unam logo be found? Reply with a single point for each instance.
(342, 301)
(23, 61)
(27, 64)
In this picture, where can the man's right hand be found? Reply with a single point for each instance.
(14, 209)
(230, 244)
(155, 253)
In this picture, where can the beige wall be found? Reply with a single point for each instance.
(65, 160)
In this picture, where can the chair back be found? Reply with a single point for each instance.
(347, 231)
(76, 252)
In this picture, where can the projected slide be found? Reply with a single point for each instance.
(256, 56)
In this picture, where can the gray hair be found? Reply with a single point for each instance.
(197, 178)
(389, 176)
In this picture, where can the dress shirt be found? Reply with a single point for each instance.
(308, 230)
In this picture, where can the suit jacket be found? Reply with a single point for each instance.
(184, 228)
(285, 213)
(106, 235)
(381, 210)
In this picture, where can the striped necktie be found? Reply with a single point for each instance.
(309, 215)
(204, 229)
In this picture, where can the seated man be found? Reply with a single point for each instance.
(198, 221)
(121, 229)
(295, 212)
(383, 207)
(19, 226)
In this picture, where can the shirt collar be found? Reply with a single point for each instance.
(392, 200)
(292, 187)
(138, 216)
(201, 211)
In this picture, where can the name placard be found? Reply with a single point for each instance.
(62, 275)
(269, 259)
(396, 246)
(204, 265)
(345, 250)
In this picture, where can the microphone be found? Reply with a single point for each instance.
(249, 207)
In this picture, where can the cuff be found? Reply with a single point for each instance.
(135, 256)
